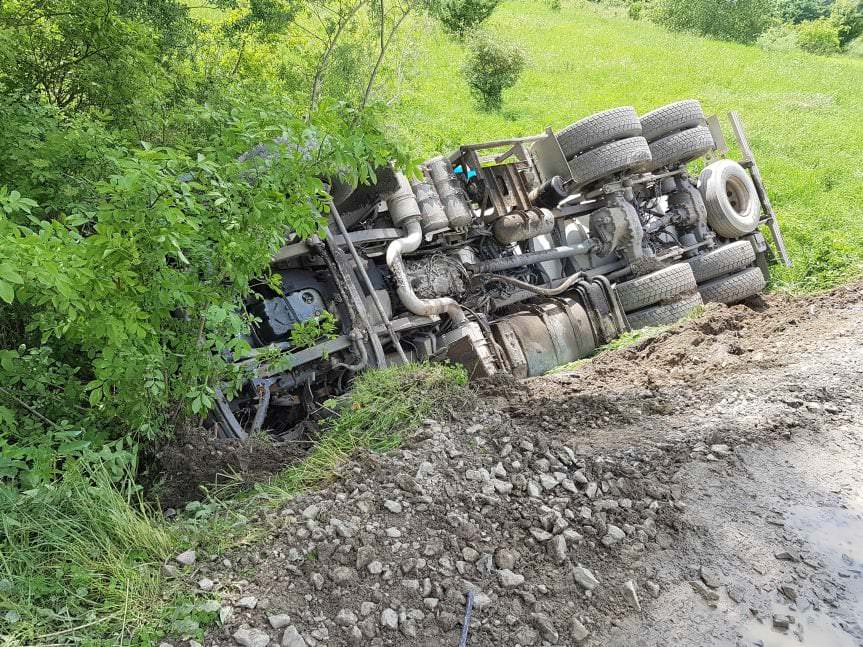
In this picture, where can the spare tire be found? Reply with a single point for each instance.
(734, 287)
(681, 147)
(598, 129)
(631, 154)
(665, 285)
(672, 118)
(724, 260)
(665, 314)
(733, 207)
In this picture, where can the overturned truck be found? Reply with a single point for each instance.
(513, 256)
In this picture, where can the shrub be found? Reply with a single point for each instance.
(460, 17)
(738, 20)
(819, 37)
(847, 16)
(634, 10)
(855, 47)
(96, 357)
(492, 67)
(779, 38)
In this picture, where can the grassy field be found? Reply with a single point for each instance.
(804, 113)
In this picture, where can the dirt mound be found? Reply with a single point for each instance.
(176, 472)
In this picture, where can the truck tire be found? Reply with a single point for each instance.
(664, 285)
(665, 314)
(672, 118)
(632, 154)
(733, 207)
(729, 258)
(681, 147)
(733, 288)
(598, 129)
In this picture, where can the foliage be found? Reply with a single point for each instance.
(738, 20)
(491, 67)
(847, 16)
(306, 334)
(818, 37)
(463, 17)
(167, 230)
(84, 53)
(797, 11)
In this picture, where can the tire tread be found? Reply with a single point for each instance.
(663, 285)
(734, 287)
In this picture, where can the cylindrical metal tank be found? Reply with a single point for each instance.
(433, 218)
(536, 343)
(402, 203)
(451, 193)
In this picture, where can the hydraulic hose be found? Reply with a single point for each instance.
(424, 307)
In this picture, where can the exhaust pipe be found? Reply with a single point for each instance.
(399, 200)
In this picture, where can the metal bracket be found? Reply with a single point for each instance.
(749, 163)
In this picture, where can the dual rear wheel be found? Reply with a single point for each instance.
(724, 275)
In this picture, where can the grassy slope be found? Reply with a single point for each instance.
(803, 113)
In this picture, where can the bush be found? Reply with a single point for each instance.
(491, 67)
(847, 16)
(855, 47)
(797, 11)
(98, 358)
(738, 20)
(779, 38)
(460, 17)
(819, 37)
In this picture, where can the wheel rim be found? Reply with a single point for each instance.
(738, 195)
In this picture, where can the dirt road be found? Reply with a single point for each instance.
(701, 488)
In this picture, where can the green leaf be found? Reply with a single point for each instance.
(10, 274)
(6, 292)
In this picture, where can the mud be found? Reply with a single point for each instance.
(713, 471)
(195, 460)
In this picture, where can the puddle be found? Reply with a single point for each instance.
(814, 629)
(832, 532)
(834, 536)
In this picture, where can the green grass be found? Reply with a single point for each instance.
(804, 113)
(78, 559)
(375, 415)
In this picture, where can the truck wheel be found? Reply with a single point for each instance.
(632, 154)
(734, 287)
(681, 147)
(665, 314)
(733, 207)
(728, 258)
(664, 285)
(672, 118)
(598, 129)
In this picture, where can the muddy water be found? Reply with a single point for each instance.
(805, 498)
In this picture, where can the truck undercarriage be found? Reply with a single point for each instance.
(513, 256)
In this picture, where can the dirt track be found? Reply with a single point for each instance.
(714, 471)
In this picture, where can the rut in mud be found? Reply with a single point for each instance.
(701, 488)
